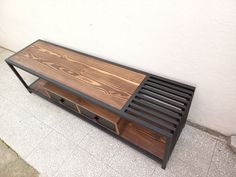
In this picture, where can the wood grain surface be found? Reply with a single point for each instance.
(103, 81)
(144, 138)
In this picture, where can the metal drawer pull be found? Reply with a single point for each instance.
(62, 100)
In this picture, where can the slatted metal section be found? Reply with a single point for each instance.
(161, 102)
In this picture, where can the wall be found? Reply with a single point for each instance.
(187, 40)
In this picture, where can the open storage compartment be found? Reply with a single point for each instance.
(95, 113)
(144, 138)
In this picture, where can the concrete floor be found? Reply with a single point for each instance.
(11, 165)
(58, 144)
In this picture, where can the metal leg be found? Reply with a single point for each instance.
(167, 152)
(20, 78)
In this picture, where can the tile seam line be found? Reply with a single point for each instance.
(64, 161)
(77, 146)
(93, 155)
(53, 130)
(214, 150)
(7, 49)
(112, 169)
(206, 129)
(50, 132)
(33, 115)
(43, 138)
(152, 175)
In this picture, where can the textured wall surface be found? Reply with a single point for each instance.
(190, 41)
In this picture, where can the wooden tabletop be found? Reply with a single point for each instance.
(103, 81)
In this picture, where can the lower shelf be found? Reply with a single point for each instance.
(144, 138)
(140, 136)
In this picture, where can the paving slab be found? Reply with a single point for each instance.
(178, 168)
(50, 154)
(101, 145)
(129, 162)
(81, 164)
(195, 148)
(21, 131)
(223, 162)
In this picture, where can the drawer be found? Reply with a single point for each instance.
(63, 101)
(105, 123)
(86, 113)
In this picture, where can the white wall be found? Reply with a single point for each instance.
(193, 41)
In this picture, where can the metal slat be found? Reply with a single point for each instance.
(169, 85)
(166, 94)
(173, 82)
(164, 105)
(152, 119)
(169, 90)
(155, 113)
(158, 108)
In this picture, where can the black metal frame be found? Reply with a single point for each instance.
(171, 137)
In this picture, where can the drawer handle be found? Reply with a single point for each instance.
(62, 100)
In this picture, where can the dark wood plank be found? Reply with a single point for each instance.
(144, 138)
(38, 86)
(103, 81)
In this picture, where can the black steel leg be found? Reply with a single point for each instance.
(20, 78)
(167, 152)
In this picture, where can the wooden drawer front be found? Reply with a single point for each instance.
(63, 101)
(105, 123)
(86, 113)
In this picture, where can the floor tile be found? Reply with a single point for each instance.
(3, 65)
(4, 54)
(101, 145)
(50, 154)
(177, 168)
(5, 105)
(81, 164)
(195, 147)
(73, 128)
(129, 162)
(109, 172)
(11, 87)
(223, 162)
(41, 109)
(21, 131)
(45, 111)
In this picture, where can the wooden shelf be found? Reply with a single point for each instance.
(144, 138)
(38, 86)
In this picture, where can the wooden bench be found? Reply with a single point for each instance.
(143, 110)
